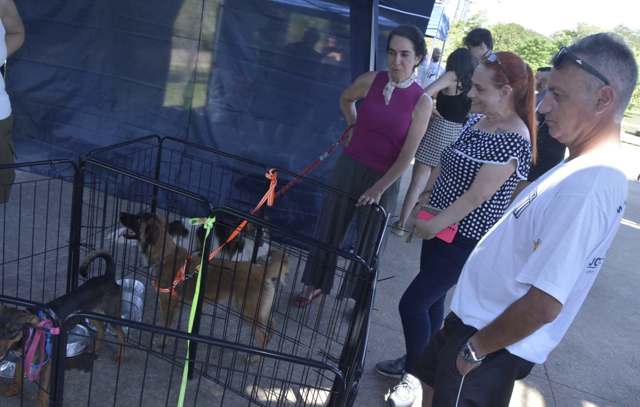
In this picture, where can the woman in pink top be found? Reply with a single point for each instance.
(390, 119)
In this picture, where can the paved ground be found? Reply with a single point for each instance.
(597, 364)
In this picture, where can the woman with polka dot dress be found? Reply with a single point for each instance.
(473, 187)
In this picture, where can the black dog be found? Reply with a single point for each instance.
(99, 294)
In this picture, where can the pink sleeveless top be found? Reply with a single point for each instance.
(381, 129)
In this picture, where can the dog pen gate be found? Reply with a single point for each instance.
(35, 230)
(36, 224)
(315, 355)
(333, 330)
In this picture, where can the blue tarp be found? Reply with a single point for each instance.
(257, 78)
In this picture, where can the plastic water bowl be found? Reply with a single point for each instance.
(80, 337)
(132, 299)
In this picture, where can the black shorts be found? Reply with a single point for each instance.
(490, 384)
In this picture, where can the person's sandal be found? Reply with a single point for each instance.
(397, 230)
(301, 301)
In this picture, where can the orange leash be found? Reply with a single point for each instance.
(181, 275)
(178, 279)
(268, 198)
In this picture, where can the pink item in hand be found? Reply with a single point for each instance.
(447, 234)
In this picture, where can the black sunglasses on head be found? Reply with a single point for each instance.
(565, 53)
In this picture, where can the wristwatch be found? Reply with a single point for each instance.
(470, 355)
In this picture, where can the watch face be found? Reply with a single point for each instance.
(466, 354)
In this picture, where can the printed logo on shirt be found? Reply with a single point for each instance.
(595, 264)
(519, 210)
(621, 207)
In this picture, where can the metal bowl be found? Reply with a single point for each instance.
(80, 337)
(79, 340)
(8, 366)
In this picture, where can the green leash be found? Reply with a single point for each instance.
(208, 225)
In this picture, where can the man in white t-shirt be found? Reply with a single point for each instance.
(526, 280)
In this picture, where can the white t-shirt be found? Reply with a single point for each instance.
(434, 72)
(555, 237)
(428, 72)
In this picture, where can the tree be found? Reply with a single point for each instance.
(632, 37)
(458, 30)
(534, 48)
(568, 37)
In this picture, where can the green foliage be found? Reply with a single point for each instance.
(457, 32)
(633, 39)
(535, 48)
(568, 37)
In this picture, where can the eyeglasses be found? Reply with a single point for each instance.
(565, 53)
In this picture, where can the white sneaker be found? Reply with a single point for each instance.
(405, 393)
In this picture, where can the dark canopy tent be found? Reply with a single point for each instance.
(258, 78)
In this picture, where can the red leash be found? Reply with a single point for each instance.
(268, 198)
(309, 168)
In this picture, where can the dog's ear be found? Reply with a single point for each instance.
(250, 228)
(176, 228)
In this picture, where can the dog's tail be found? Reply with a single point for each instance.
(104, 255)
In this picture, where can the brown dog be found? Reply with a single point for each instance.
(251, 286)
(13, 325)
(99, 294)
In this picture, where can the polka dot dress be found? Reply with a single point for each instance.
(461, 161)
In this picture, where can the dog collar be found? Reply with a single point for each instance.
(180, 278)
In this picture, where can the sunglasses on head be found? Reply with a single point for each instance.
(565, 54)
(492, 57)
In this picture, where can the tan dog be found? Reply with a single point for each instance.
(251, 286)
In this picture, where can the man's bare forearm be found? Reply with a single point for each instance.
(519, 320)
(14, 42)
